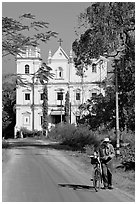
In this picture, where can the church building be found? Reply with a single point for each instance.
(29, 98)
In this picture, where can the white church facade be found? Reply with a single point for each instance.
(65, 80)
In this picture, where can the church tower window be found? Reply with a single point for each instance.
(41, 96)
(59, 96)
(26, 120)
(60, 72)
(78, 96)
(41, 120)
(94, 68)
(26, 69)
(27, 97)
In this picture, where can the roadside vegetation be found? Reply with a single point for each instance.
(82, 138)
(79, 142)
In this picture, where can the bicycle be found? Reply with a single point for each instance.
(97, 178)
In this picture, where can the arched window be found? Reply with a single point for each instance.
(26, 118)
(94, 68)
(26, 69)
(78, 95)
(60, 72)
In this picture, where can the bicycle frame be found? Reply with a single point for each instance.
(97, 172)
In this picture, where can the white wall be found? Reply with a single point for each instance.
(70, 81)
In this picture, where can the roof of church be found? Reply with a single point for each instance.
(60, 54)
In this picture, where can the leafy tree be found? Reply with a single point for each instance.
(110, 28)
(67, 107)
(26, 31)
(8, 106)
(99, 110)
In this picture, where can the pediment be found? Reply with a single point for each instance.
(77, 90)
(26, 90)
(60, 54)
(59, 89)
(26, 113)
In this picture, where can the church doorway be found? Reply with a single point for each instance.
(55, 119)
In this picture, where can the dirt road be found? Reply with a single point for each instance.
(35, 172)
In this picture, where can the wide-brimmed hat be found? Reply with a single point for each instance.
(106, 139)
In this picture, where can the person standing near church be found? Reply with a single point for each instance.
(107, 153)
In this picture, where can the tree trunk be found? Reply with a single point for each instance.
(45, 111)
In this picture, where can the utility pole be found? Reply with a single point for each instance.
(82, 88)
(117, 113)
(82, 82)
(100, 76)
(117, 106)
(70, 112)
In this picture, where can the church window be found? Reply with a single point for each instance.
(26, 120)
(26, 69)
(41, 120)
(77, 96)
(60, 96)
(60, 72)
(94, 68)
(27, 96)
(41, 96)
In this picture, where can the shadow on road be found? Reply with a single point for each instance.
(78, 187)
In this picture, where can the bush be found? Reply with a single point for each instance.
(5, 144)
(127, 152)
(8, 132)
(29, 133)
(61, 132)
(82, 138)
(75, 137)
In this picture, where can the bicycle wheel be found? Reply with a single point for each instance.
(96, 180)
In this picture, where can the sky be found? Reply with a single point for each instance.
(61, 16)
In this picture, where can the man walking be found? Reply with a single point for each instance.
(107, 153)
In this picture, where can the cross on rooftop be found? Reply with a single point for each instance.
(60, 41)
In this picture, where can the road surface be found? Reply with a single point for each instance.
(36, 172)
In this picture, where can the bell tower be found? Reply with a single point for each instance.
(28, 63)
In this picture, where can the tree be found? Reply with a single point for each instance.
(45, 111)
(111, 25)
(43, 74)
(67, 104)
(8, 106)
(26, 31)
(110, 28)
